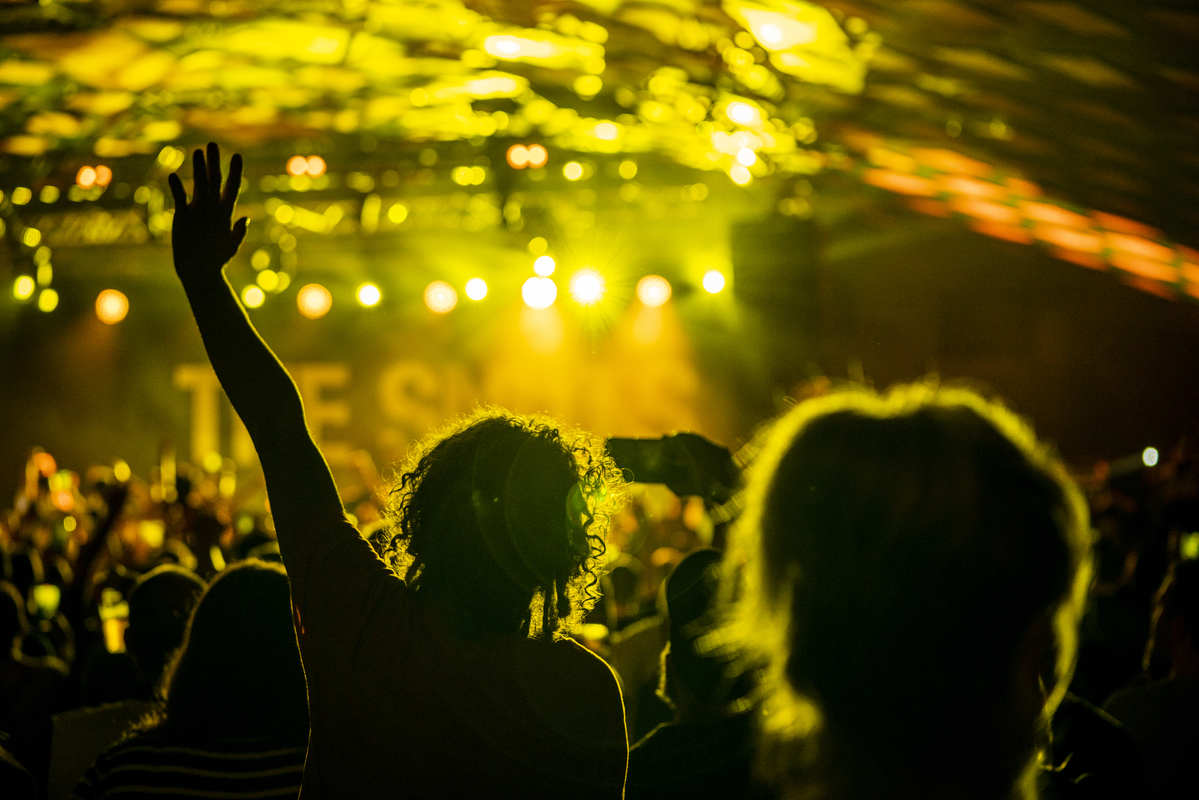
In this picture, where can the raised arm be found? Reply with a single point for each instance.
(204, 238)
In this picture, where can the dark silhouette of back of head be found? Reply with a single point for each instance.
(13, 618)
(159, 606)
(239, 673)
(916, 564)
(502, 513)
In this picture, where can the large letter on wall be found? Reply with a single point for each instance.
(201, 381)
(319, 412)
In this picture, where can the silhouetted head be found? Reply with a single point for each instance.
(14, 620)
(915, 565)
(501, 516)
(159, 606)
(239, 673)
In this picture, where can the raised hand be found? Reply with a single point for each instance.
(203, 236)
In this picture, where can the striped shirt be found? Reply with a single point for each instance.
(156, 764)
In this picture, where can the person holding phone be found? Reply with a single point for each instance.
(456, 678)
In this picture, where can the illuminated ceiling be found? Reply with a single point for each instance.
(1091, 102)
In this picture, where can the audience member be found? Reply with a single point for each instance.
(159, 607)
(234, 721)
(456, 678)
(1163, 716)
(707, 751)
(914, 567)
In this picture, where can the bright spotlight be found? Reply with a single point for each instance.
(539, 292)
(518, 156)
(103, 175)
(746, 157)
(111, 306)
(23, 287)
(538, 155)
(653, 290)
(254, 297)
(476, 288)
(369, 294)
(1149, 456)
(297, 165)
(573, 170)
(314, 301)
(440, 297)
(48, 300)
(315, 166)
(587, 287)
(743, 113)
(85, 178)
(713, 281)
(544, 266)
(740, 175)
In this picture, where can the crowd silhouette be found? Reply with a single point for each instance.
(900, 594)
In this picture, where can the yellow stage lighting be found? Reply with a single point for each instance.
(746, 157)
(85, 178)
(297, 165)
(1149, 457)
(653, 290)
(740, 175)
(369, 294)
(476, 288)
(253, 296)
(587, 287)
(573, 170)
(440, 297)
(111, 306)
(714, 281)
(539, 292)
(544, 266)
(103, 175)
(743, 113)
(315, 166)
(518, 156)
(23, 287)
(538, 155)
(48, 300)
(314, 301)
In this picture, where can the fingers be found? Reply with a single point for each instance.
(239, 232)
(177, 190)
(199, 174)
(233, 185)
(214, 169)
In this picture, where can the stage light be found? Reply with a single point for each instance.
(31, 237)
(23, 287)
(111, 306)
(314, 301)
(21, 195)
(49, 194)
(476, 288)
(573, 170)
(538, 156)
(315, 166)
(606, 131)
(653, 290)
(268, 279)
(297, 165)
(743, 113)
(746, 157)
(121, 471)
(103, 175)
(261, 259)
(253, 296)
(1149, 457)
(284, 281)
(518, 156)
(628, 169)
(714, 281)
(539, 292)
(397, 213)
(538, 245)
(369, 294)
(587, 287)
(777, 31)
(544, 266)
(440, 297)
(48, 300)
(85, 178)
(740, 175)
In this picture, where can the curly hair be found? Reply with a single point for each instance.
(502, 519)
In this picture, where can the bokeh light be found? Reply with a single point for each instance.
(369, 294)
(85, 178)
(743, 113)
(545, 266)
(23, 287)
(315, 166)
(121, 470)
(518, 156)
(111, 306)
(608, 131)
(297, 165)
(103, 175)
(268, 279)
(587, 287)
(538, 156)
(740, 175)
(746, 157)
(476, 288)
(539, 292)
(314, 301)
(714, 281)
(628, 169)
(253, 296)
(1149, 457)
(31, 237)
(440, 297)
(573, 170)
(653, 290)
(48, 300)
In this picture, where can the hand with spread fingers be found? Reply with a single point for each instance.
(204, 237)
